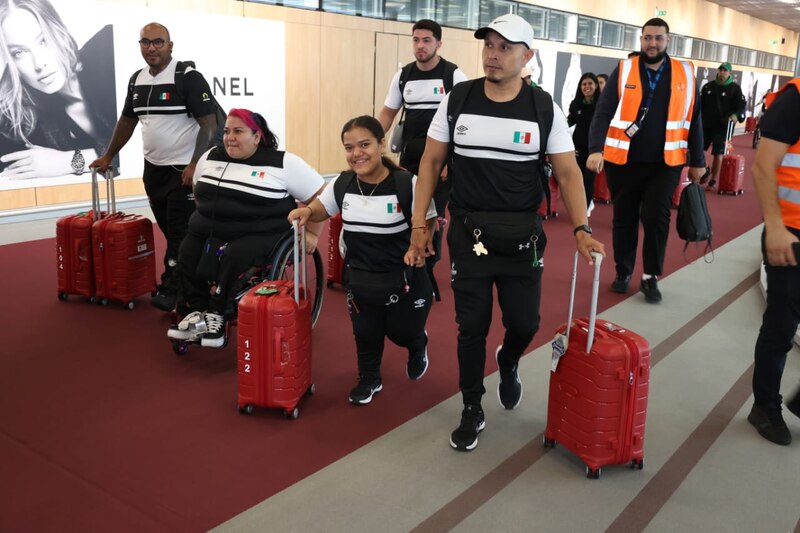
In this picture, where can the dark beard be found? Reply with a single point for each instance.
(651, 60)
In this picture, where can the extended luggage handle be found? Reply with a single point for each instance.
(299, 259)
(598, 260)
(111, 200)
(729, 137)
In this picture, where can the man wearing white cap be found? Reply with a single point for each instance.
(493, 133)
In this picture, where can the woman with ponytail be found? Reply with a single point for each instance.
(244, 191)
(388, 289)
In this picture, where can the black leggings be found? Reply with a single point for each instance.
(403, 322)
(172, 205)
(519, 299)
(240, 254)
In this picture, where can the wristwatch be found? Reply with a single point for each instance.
(582, 227)
(78, 163)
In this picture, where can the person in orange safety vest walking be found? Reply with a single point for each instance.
(645, 129)
(776, 176)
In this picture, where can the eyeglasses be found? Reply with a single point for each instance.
(158, 43)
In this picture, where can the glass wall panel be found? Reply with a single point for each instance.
(457, 13)
(632, 34)
(364, 8)
(410, 10)
(302, 4)
(563, 26)
(537, 17)
(613, 35)
(588, 31)
(491, 9)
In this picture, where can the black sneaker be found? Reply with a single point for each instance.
(793, 405)
(417, 363)
(215, 334)
(649, 288)
(620, 283)
(465, 437)
(770, 424)
(509, 390)
(164, 298)
(711, 184)
(363, 392)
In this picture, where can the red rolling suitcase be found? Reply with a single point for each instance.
(274, 343)
(335, 261)
(731, 176)
(544, 212)
(602, 194)
(750, 124)
(123, 250)
(598, 388)
(74, 249)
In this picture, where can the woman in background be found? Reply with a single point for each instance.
(388, 293)
(57, 103)
(581, 111)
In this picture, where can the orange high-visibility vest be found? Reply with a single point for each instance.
(788, 172)
(679, 113)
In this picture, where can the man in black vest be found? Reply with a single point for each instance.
(418, 88)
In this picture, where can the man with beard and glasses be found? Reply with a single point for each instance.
(645, 129)
(419, 87)
(178, 126)
(495, 132)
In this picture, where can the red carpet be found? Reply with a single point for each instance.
(102, 427)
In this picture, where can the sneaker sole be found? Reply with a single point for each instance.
(180, 335)
(474, 443)
(368, 399)
(521, 388)
(218, 342)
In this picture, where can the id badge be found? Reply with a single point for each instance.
(632, 130)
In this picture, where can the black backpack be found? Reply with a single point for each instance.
(403, 182)
(180, 72)
(542, 103)
(693, 221)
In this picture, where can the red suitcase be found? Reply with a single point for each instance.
(602, 194)
(274, 344)
(335, 261)
(123, 251)
(75, 267)
(543, 211)
(750, 124)
(598, 389)
(682, 183)
(731, 176)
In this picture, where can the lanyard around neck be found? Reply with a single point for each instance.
(652, 80)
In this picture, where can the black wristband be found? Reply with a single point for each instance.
(582, 227)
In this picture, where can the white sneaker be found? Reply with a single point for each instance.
(191, 327)
(590, 209)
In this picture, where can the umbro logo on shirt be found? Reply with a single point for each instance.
(462, 130)
(345, 205)
(408, 91)
(522, 137)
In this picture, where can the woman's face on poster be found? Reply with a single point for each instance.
(34, 56)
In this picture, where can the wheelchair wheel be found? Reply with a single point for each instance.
(283, 268)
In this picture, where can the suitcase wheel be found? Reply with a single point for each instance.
(92, 299)
(246, 409)
(63, 296)
(637, 463)
(180, 347)
(104, 301)
(292, 413)
(593, 474)
(130, 305)
(311, 390)
(330, 284)
(548, 443)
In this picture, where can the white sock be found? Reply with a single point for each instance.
(646, 276)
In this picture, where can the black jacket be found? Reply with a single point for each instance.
(720, 102)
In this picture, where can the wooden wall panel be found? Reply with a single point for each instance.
(17, 199)
(82, 192)
(348, 74)
(386, 65)
(304, 83)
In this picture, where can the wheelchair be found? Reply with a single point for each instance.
(279, 266)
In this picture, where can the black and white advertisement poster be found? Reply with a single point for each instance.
(66, 65)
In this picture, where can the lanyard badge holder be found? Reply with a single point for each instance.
(633, 129)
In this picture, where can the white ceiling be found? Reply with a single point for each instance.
(785, 13)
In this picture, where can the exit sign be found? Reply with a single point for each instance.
(661, 12)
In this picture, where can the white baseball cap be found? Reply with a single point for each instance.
(512, 28)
